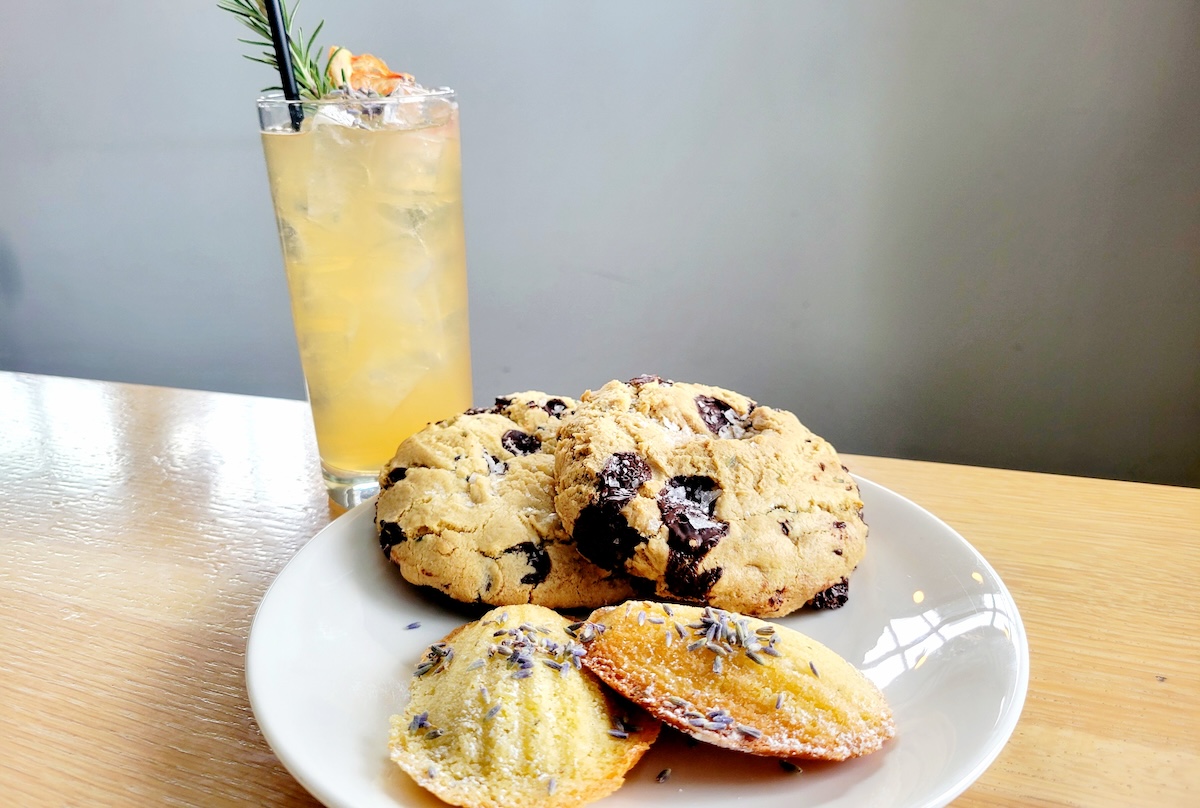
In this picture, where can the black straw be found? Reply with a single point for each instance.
(283, 57)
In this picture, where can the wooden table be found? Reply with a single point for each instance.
(142, 525)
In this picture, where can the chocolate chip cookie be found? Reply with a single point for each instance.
(710, 496)
(467, 506)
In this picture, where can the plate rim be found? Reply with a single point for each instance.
(1014, 709)
(291, 766)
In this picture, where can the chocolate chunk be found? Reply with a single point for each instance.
(684, 578)
(396, 475)
(839, 525)
(837, 550)
(520, 443)
(721, 418)
(604, 537)
(602, 533)
(621, 477)
(834, 597)
(786, 527)
(555, 407)
(687, 505)
(638, 381)
(390, 534)
(643, 588)
(537, 558)
(501, 403)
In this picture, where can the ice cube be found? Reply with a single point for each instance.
(422, 111)
(410, 162)
(330, 115)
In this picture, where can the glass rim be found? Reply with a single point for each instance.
(275, 99)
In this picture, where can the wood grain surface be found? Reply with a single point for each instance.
(141, 527)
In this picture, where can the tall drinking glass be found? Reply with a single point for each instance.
(368, 199)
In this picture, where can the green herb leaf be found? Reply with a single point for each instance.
(310, 78)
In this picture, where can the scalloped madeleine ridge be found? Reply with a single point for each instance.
(503, 714)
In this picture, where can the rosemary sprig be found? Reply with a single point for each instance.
(313, 80)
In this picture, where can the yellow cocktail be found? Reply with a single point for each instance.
(369, 205)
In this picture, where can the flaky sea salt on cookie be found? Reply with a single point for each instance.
(467, 506)
(737, 682)
(712, 498)
(503, 714)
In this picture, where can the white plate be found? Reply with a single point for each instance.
(329, 659)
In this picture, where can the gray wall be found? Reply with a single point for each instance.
(952, 231)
